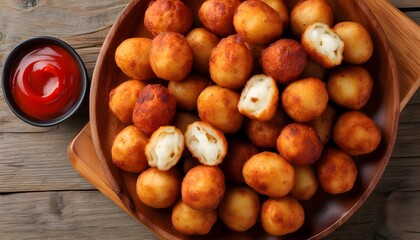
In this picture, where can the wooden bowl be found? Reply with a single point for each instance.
(324, 212)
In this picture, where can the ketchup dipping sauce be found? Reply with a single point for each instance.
(46, 81)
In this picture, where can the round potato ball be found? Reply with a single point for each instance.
(258, 22)
(281, 9)
(239, 151)
(132, 57)
(336, 171)
(217, 16)
(357, 41)
(299, 144)
(206, 143)
(218, 106)
(323, 45)
(127, 151)
(350, 86)
(307, 12)
(269, 174)
(240, 208)
(306, 183)
(264, 134)
(165, 147)
(231, 62)
(305, 99)
(123, 98)
(155, 107)
(167, 16)
(280, 216)
(159, 189)
(187, 91)
(171, 56)
(203, 187)
(202, 42)
(259, 98)
(191, 221)
(324, 124)
(356, 133)
(284, 60)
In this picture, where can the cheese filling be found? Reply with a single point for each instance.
(327, 42)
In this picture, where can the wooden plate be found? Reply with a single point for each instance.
(324, 212)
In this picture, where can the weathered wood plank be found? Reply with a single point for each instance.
(410, 114)
(401, 175)
(39, 161)
(66, 215)
(408, 141)
(414, 15)
(404, 205)
(82, 24)
(415, 98)
(381, 218)
(405, 3)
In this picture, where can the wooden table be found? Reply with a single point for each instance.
(43, 197)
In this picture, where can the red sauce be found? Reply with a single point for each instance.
(46, 82)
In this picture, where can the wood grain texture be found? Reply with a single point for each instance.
(66, 215)
(42, 197)
(405, 3)
(404, 43)
(414, 15)
(38, 161)
(82, 24)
